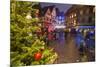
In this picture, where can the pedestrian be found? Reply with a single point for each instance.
(81, 49)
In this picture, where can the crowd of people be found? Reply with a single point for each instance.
(85, 42)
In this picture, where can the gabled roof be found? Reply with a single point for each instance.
(44, 10)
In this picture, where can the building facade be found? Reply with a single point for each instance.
(53, 20)
(81, 15)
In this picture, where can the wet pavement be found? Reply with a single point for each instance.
(66, 49)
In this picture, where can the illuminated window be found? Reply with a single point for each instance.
(74, 24)
(60, 17)
(74, 21)
(93, 9)
(75, 14)
(81, 12)
(72, 15)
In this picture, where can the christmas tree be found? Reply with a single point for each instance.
(27, 41)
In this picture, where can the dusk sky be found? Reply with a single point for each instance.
(61, 7)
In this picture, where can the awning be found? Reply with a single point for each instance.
(86, 27)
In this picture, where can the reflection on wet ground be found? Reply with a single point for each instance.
(68, 47)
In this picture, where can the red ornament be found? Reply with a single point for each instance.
(37, 56)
